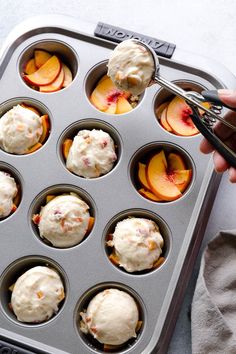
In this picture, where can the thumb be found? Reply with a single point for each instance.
(228, 97)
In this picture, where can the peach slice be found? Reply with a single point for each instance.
(158, 262)
(34, 148)
(114, 258)
(49, 197)
(160, 109)
(178, 118)
(158, 179)
(55, 85)
(16, 200)
(30, 67)
(46, 128)
(66, 147)
(101, 92)
(111, 108)
(90, 224)
(36, 219)
(68, 76)
(164, 122)
(106, 93)
(46, 74)
(142, 175)
(149, 195)
(41, 57)
(123, 106)
(181, 178)
(175, 162)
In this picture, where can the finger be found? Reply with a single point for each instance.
(232, 175)
(222, 130)
(206, 147)
(221, 165)
(228, 97)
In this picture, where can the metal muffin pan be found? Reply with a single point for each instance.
(85, 268)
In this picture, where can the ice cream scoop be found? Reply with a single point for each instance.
(126, 68)
(131, 67)
(111, 317)
(92, 153)
(64, 220)
(8, 190)
(37, 294)
(20, 129)
(137, 243)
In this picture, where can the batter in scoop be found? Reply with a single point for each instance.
(131, 67)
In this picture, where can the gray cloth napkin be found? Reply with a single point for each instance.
(214, 303)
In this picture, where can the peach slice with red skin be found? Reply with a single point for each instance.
(123, 106)
(30, 67)
(41, 57)
(181, 179)
(46, 74)
(111, 108)
(106, 94)
(160, 183)
(178, 117)
(55, 85)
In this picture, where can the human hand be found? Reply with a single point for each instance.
(225, 134)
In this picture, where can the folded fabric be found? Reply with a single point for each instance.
(214, 303)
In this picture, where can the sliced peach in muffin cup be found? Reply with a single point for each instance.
(162, 179)
(46, 72)
(107, 98)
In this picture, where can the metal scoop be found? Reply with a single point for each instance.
(205, 123)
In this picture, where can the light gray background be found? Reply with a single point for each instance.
(201, 26)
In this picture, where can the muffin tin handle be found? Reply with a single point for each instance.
(117, 34)
(7, 347)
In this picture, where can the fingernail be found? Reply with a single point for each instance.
(226, 93)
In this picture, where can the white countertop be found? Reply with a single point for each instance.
(205, 27)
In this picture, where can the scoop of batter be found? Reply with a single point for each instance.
(111, 317)
(36, 295)
(137, 243)
(20, 129)
(8, 190)
(131, 67)
(92, 154)
(64, 220)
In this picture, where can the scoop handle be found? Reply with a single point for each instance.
(228, 154)
(213, 97)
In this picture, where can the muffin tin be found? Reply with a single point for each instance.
(85, 268)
